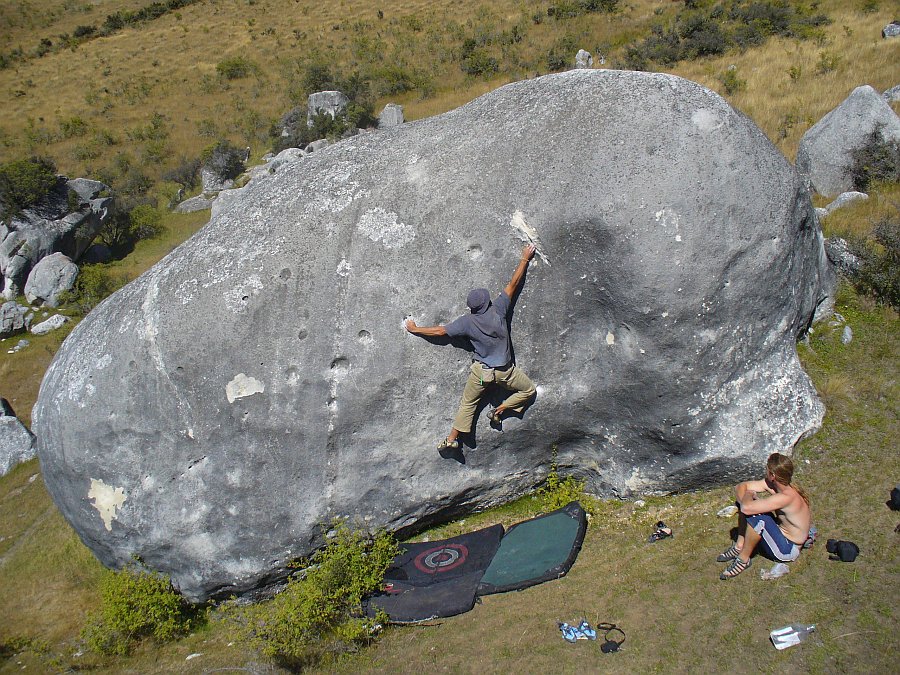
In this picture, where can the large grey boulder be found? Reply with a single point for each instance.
(53, 226)
(16, 442)
(258, 382)
(52, 276)
(825, 151)
(332, 103)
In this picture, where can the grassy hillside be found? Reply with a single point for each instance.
(88, 102)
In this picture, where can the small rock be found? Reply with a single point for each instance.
(583, 59)
(640, 503)
(19, 346)
(391, 116)
(54, 322)
(892, 95)
(192, 656)
(846, 198)
(727, 512)
(847, 335)
(892, 30)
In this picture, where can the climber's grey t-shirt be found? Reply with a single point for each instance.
(489, 335)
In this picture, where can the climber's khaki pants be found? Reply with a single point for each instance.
(511, 378)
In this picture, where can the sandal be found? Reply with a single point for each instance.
(728, 555)
(736, 567)
(569, 633)
(587, 633)
(447, 444)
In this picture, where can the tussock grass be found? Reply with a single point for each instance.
(858, 219)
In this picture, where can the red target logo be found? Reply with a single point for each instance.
(441, 558)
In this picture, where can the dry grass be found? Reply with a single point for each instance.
(785, 107)
(859, 218)
(678, 616)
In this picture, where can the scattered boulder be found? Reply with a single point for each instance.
(52, 226)
(54, 322)
(844, 199)
(825, 151)
(16, 441)
(842, 257)
(892, 95)
(286, 156)
(53, 275)
(583, 59)
(320, 144)
(258, 382)
(14, 318)
(391, 116)
(331, 103)
(213, 182)
(847, 335)
(20, 345)
(892, 30)
(198, 203)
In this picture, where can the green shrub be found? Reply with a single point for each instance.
(185, 174)
(558, 491)
(224, 159)
(561, 55)
(24, 182)
(879, 274)
(317, 615)
(827, 63)
(93, 284)
(74, 126)
(480, 63)
(136, 604)
(732, 82)
(235, 67)
(711, 28)
(877, 160)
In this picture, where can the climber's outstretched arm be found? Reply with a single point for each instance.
(519, 274)
(425, 331)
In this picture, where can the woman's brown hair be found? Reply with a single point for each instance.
(782, 468)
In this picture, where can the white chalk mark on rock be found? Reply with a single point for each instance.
(343, 269)
(107, 500)
(243, 386)
(528, 234)
(610, 339)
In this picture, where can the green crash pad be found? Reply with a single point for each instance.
(536, 550)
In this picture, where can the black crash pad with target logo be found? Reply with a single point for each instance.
(442, 578)
(436, 579)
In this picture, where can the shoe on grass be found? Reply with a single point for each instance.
(728, 554)
(736, 567)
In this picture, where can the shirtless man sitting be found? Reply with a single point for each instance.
(778, 524)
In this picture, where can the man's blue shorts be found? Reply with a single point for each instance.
(773, 543)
